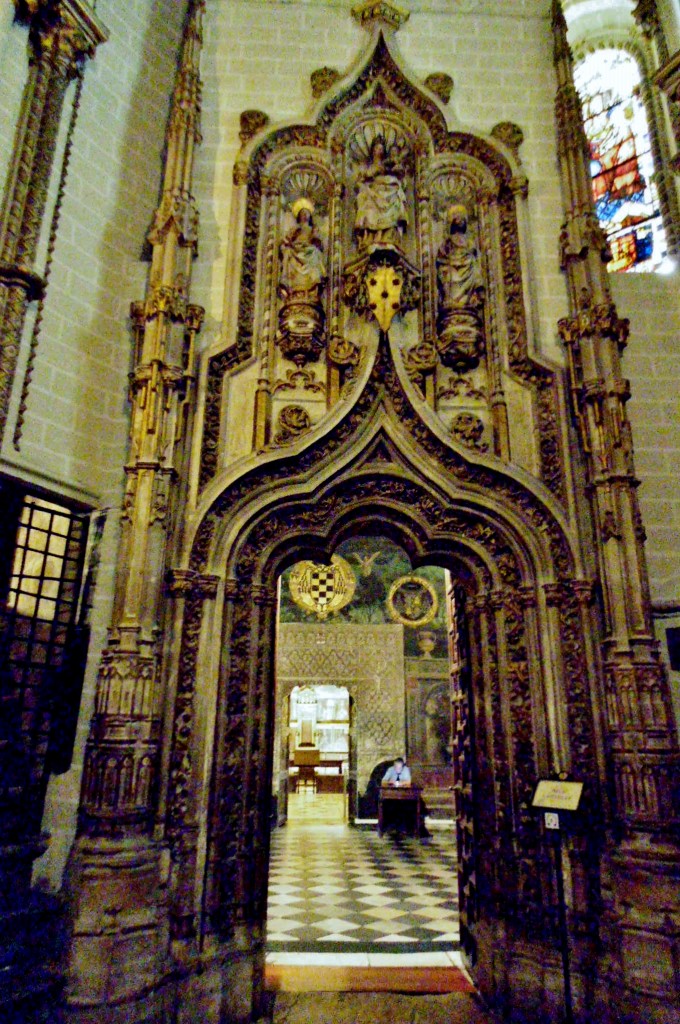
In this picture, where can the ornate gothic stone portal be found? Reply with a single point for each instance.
(375, 376)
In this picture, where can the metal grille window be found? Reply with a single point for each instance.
(42, 648)
(45, 580)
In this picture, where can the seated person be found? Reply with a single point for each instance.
(399, 774)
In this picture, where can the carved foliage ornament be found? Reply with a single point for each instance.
(441, 85)
(294, 420)
(469, 430)
(322, 80)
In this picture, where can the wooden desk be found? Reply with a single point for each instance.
(395, 797)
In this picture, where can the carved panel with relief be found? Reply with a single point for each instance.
(377, 222)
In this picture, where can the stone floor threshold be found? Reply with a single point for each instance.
(432, 980)
(376, 1008)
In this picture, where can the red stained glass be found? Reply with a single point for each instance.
(621, 161)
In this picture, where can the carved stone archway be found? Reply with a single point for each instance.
(530, 625)
(387, 383)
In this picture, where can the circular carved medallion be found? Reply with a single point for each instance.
(322, 589)
(412, 601)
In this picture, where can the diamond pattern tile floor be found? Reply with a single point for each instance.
(332, 885)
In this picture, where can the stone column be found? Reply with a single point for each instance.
(119, 866)
(63, 33)
(642, 743)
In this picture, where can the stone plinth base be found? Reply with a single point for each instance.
(118, 956)
(641, 928)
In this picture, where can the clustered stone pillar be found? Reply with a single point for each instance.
(641, 735)
(63, 33)
(117, 856)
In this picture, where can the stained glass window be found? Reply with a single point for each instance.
(621, 162)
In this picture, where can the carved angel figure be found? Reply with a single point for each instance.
(302, 259)
(381, 200)
(460, 324)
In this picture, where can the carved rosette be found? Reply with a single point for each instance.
(469, 430)
(294, 421)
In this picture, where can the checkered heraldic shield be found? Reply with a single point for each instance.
(322, 589)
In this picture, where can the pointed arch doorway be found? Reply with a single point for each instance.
(517, 618)
(394, 645)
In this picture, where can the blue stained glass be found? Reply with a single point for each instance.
(621, 161)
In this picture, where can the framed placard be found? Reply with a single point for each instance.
(557, 795)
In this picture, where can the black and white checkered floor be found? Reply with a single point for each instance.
(335, 888)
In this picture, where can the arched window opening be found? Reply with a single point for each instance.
(621, 159)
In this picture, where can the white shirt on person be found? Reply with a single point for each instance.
(398, 774)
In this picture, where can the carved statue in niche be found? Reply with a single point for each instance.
(460, 320)
(381, 201)
(302, 276)
(380, 282)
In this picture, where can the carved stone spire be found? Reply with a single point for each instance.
(62, 35)
(594, 337)
(115, 847)
(120, 770)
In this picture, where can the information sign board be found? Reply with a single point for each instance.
(557, 795)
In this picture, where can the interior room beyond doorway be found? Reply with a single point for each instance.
(364, 673)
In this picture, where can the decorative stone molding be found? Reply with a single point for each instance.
(380, 11)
